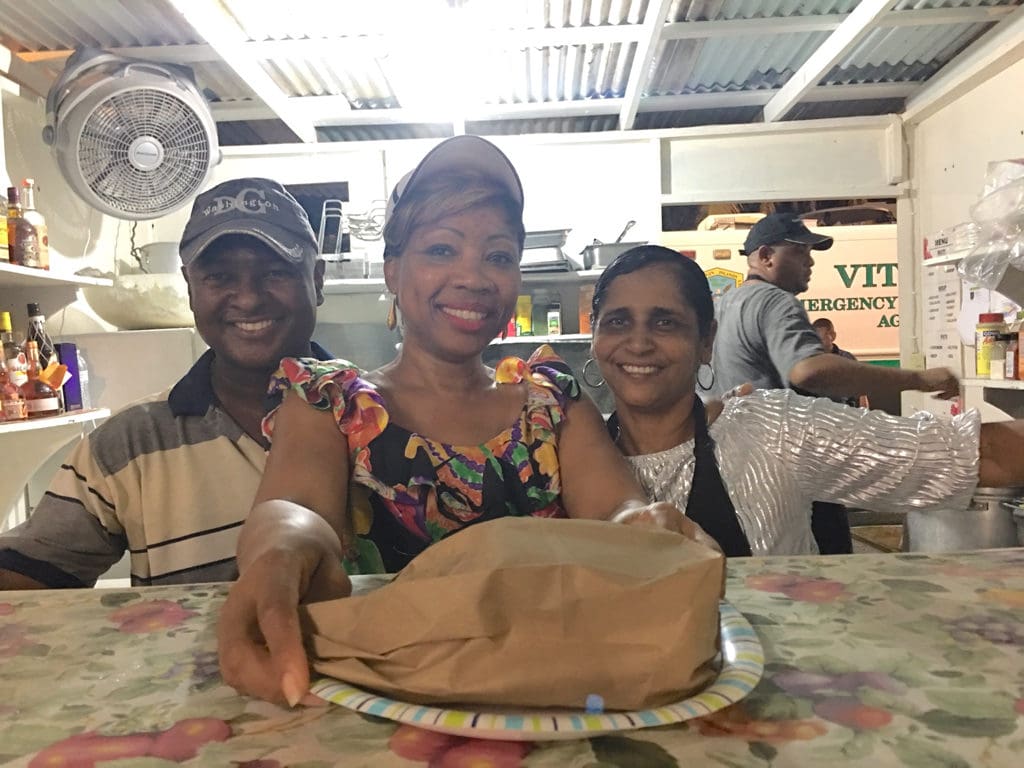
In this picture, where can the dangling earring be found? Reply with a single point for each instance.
(583, 375)
(392, 319)
(700, 383)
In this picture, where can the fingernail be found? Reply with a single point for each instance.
(293, 692)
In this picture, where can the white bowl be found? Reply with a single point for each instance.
(141, 302)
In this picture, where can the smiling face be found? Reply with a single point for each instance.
(457, 280)
(251, 306)
(647, 340)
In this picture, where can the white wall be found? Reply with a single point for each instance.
(949, 153)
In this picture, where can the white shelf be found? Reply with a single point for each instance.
(17, 276)
(994, 383)
(574, 276)
(26, 445)
(343, 285)
(72, 417)
(350, 285)
(561, 337)
(950, 257)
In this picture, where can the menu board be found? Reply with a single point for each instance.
(940, 292)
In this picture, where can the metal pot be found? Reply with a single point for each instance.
(986, 524)
(603, 254)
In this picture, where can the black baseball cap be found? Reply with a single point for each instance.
(783, 228)
(258, 207)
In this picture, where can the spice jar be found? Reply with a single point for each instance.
(990, 326)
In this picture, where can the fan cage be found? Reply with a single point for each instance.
(105, 140)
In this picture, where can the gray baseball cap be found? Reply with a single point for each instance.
(258, 207)
(460, 153)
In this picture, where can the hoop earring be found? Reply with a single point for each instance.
(583, 375)
(391, 321)
(700, 383)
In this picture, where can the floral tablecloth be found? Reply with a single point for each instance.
(872, 660)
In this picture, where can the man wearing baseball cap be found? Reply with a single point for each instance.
(171, 479)
(765, 337)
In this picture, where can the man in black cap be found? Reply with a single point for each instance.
(171, 479)
(765, 337)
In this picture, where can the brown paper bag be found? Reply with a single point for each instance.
(525, 612)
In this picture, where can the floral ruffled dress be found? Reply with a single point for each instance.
(407, 490)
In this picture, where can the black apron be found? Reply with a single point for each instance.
(830, 524)
(709, 504)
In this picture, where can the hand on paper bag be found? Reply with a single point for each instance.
(259, 638)
(661, 514)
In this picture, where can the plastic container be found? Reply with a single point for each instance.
(524, 316)
(542, 300)
(997, 357)
(586, 301)
(554, 319)
(990, 326)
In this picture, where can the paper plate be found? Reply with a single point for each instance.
(742, 665)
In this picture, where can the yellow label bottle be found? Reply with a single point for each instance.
(524, 316)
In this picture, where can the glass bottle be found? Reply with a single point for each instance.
(83, 380)
(22, 241)
(13, 406)
(37, 333)
(14, 355)
(41, 398)
(36, 220)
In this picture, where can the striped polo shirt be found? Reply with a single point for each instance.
(170, 479)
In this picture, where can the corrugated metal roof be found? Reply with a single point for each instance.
(354, 46)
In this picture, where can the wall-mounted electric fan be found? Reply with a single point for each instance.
(134, 139)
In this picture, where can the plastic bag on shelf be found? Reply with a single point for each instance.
(997, 264)
(999, 173)
(1001, 212)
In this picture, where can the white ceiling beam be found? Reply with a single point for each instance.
(335, 110)
(15, 69)
(997, 49)
(643, 57)
(730, 99)
(333, 47)
(698, 30)
(694, 30)
(214, 25)
(862, 91)
(858, 24)
(336, 47)
(982, 14)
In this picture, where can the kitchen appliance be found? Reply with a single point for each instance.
(987, 523)
(542, 251)
(134, 139)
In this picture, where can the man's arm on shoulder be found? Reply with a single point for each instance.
(835, 376)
